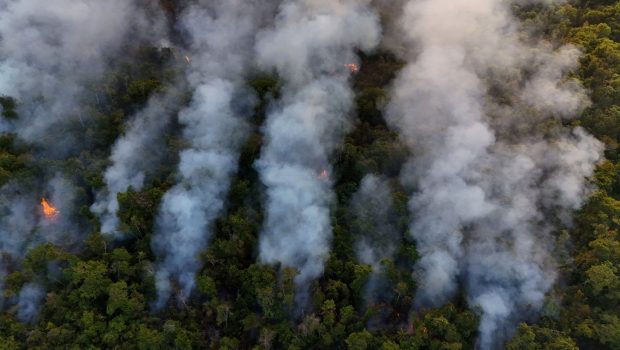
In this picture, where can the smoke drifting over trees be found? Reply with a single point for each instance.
(488, 173)
(309, 46)
(374, 227)
(221, 38)
(134, 156)
(29, 299)
(231, 174)
(53, 48)
(17, 224)
(50, 52)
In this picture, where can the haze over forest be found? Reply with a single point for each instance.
(310, 174)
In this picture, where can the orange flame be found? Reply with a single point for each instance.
(324, 175)
(49, 210)
(354, 68)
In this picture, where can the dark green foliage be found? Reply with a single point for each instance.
(8, 105)
(137, 209)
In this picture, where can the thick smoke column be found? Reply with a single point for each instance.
(134, 156)
(489, 177)
(373, 224)
(48, 49)
(221, 36)
(309, 45)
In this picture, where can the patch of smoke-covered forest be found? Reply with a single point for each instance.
(97, 276)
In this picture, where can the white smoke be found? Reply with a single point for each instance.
(221, 37)
(49, 52)
(135, 155)
(308, 47)
(29, 302)
(49, 49)
(62, 229)
(373, 225)
(488, 178)
(17, 224)
(23, 225)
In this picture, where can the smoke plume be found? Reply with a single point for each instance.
(221, 36)
(491, 169)
(29, 302)
(135, 156)
(61, 230)
(49, 50)
(23, 226)
(308, 47)
(17, 224)
(372, 223)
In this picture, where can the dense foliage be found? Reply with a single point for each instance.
(98, 295)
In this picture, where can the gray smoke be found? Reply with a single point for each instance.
(490, 178)
(17, 224)
(49, 52)
(373, 224)
(29, 302)
(23, 225)
(50, 49)
(135, 155)
(308, 47)
(221, 36)
(62, 229)
(5, 124)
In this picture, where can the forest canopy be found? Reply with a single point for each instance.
(309, 174)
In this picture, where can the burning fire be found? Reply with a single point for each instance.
(354, 68)
(49, 210)
(188, 59)
(324, 175)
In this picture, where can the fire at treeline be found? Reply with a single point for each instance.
(131, 121)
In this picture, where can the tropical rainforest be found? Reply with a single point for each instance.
(310, 174)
